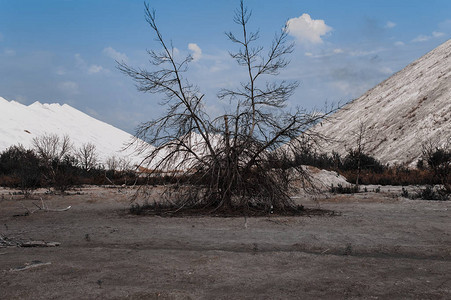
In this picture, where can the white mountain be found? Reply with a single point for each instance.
(19, 124)
(398, 115)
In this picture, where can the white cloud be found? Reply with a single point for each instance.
(69, 87)
(60, 71)
(424, 38)
(445, 25)
(197, 52)
(9, 52)
(90, 69)
(219, 66)
(80, 62)
(390, 24)
(437, 34)
(343, 86)
(364, 53)
(307, 30)
(386, 70)
(220, 61)
(399, 43)
(95, 69)
(92, 112)
(120, 57)
(325, 53)
(421, 38)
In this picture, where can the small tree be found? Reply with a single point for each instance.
(52, 147)
(87, 156)
(357, 153)
(66, 173)
(438, 159)
(55, 153)
(120, 164)
(228, 162)
(354, 161)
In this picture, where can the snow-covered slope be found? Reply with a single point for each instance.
(399, 114)
(19, 124)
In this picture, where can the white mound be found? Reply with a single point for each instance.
(19, 124)
(398, 115)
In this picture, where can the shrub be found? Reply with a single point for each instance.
(340, 189)
(405, 193)
(393, 176)
(428, 193)
(439, 162)
(25, 169)
(64, 173)
(367, 162)
(21, 167)
(318, 160)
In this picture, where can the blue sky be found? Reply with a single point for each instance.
(64, 50)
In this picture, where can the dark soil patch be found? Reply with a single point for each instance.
(157, 209)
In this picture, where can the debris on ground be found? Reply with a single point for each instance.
(10, 242)
(40, 244)
(30, 265)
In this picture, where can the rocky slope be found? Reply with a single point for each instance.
(398, 115)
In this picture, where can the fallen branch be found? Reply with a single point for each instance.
(7, 242)
(40, 244)
(33, 264)
(62, 209)
(120, 187)
(43, 207)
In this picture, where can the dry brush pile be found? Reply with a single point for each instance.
(227, 162)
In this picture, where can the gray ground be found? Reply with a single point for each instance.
(380, 247)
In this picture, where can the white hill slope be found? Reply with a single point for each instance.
(399, 114)
(19, 124)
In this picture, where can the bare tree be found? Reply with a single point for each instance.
(55, 152)
(228, 162)
(52, 147)
(120, 164)
(87, 156)
(360, 141)
(112, 163)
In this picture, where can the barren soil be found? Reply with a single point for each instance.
(381, 246)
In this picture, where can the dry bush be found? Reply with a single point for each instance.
(87, 156)
(225, 162)
(51, 147)
(438, 158)
(392, 176)
(20, 168)
(58, 164)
